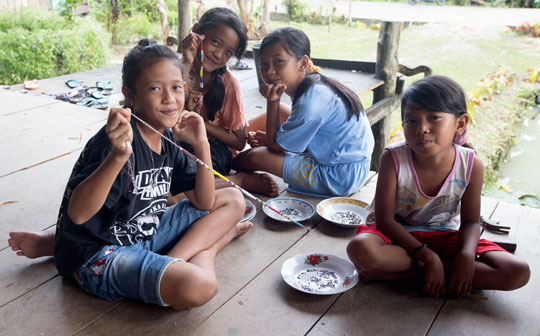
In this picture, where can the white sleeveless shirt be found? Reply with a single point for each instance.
(418, 211)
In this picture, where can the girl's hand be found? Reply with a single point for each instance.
(119, 131)
(190, 128)
(434, 283)
(194, 102)
(462, 273)
(272, 92)
(257, 139)
(190, 46)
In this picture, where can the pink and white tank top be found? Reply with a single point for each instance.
(418, 211)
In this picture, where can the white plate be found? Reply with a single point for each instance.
(319, 273)
(343, 211)
(250, 211)
(294, 208)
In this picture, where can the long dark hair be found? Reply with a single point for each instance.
(296, 43)
(435, 94)
(142, 55)
(212, 18)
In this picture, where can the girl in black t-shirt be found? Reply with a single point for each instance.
(115, 236)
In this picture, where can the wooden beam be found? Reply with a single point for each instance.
(386, 69)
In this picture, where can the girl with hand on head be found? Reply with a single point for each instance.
(114, 231)
(324, 147)
(424, 222)
(219, 35)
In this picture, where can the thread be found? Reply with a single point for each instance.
(245, 192)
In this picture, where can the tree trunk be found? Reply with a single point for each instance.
(243, 12)
(184, 20)
(163, 12)
(265, 18)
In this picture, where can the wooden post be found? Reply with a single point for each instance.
(184, 21)
(385, 69)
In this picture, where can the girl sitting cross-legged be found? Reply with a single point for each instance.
(324, 147)
(424, 223)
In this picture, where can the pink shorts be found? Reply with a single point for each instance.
(444, 243)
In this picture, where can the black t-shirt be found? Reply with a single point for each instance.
(130, 214)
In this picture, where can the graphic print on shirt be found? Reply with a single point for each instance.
(152, 185)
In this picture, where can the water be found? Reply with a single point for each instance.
(520, 173)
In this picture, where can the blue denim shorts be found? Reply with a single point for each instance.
(117, 272)
(307, 176)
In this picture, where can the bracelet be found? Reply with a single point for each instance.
(418, 249)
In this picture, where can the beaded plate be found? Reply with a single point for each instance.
(343, 211)
(319, 273)
(294, 208)
(250, 212)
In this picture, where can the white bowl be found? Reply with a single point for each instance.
(319, 273)
(343, 211)
(294, 208)
(250, 212)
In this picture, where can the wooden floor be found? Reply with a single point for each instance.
(40, 140)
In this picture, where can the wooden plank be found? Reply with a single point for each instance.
(38, 192)
(20, 274)
(504, 313)
(15, 102)
(236, 266)
(268, 296)
(506, 241)
(45, 132)
(58, 307)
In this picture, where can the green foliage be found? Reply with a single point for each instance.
(37, 44)
(131, 22)
(135, 27)
(296, 10)
(68, 8)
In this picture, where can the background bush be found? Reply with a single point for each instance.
(39, 44)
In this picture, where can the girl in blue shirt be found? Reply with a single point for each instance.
(324, 147)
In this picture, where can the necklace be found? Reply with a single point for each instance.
(154, 172)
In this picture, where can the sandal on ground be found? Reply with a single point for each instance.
(101, 103)
(73, 83)
(31, 84)
(71, 94)
(241, 65)
(105, 86)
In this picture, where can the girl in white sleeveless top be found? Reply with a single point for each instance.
(424, 222)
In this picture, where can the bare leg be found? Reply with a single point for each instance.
(259, 122)
(194, 283)
(253, 182)
(500, 271)
(261, 159)
(32, 244)
(228, 209)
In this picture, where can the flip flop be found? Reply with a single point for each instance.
(101, 103)
(31, 84)
(105, 86)
(72, 94)
(73, 83)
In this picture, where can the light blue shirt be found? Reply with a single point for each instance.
(319, 125)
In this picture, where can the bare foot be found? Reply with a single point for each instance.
(237, 231)
(258, 183)
(32, 244)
